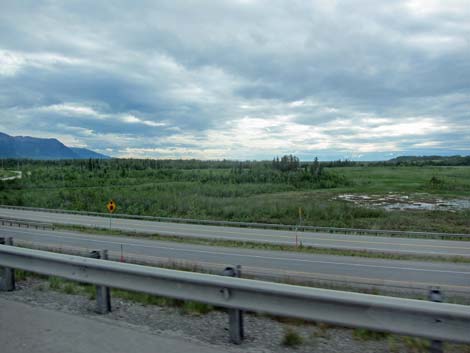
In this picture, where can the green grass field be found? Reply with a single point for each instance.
(253, 194)
(448, 181)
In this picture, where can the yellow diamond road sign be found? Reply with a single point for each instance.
(111, 206)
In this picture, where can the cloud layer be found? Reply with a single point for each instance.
(239, 79)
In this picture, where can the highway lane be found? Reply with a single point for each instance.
(400, 275)
(322, 240)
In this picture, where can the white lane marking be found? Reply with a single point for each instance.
(263, 257)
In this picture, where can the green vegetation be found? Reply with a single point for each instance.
(362, 334)
(269, 191)
(416, 345)
(292, 338)
(70, 288)
(196, 308)
(440, 181)
(431, 160)
(55, 283)
(21, 275)
(441, 161)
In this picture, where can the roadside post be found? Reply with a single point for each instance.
(121, 258)
(297, 228)
(435, 295)
(103, 294)
(7, 281)
(235, 316)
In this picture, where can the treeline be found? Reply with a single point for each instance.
(98, 172)
(404, 161)
(123, 163)
(289, 170)
(430, 161)
(285, 164)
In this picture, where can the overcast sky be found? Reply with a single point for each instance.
(239, 79)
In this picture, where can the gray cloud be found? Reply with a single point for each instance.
(239, 79)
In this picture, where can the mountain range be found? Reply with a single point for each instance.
(40, 148)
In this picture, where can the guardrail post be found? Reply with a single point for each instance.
(235, 316)
(7, 281)
(435, 295)
(103, 293)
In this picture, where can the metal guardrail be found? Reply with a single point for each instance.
(27, 224)
(253, 225)
(437, 321)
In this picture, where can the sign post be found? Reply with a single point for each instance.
(111, 206)
(297, 228)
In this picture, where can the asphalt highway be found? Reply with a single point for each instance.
(343, 270)
(322, 240)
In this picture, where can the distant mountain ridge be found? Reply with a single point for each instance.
(84, 153)
(41, 148)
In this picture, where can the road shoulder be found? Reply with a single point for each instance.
(24, 328)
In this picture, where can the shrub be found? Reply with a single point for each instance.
(363, 334)
(291, 338)
(55, 283)
(196, 308)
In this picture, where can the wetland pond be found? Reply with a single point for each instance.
(392, 201)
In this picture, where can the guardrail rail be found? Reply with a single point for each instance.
(27, 224)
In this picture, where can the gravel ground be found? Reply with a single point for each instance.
(263, 334)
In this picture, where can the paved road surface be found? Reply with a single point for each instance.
(399, 275)
(26, 329)
(323, 240)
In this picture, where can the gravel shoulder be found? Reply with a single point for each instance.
(25, 328)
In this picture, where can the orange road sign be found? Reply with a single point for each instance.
(111, 206)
